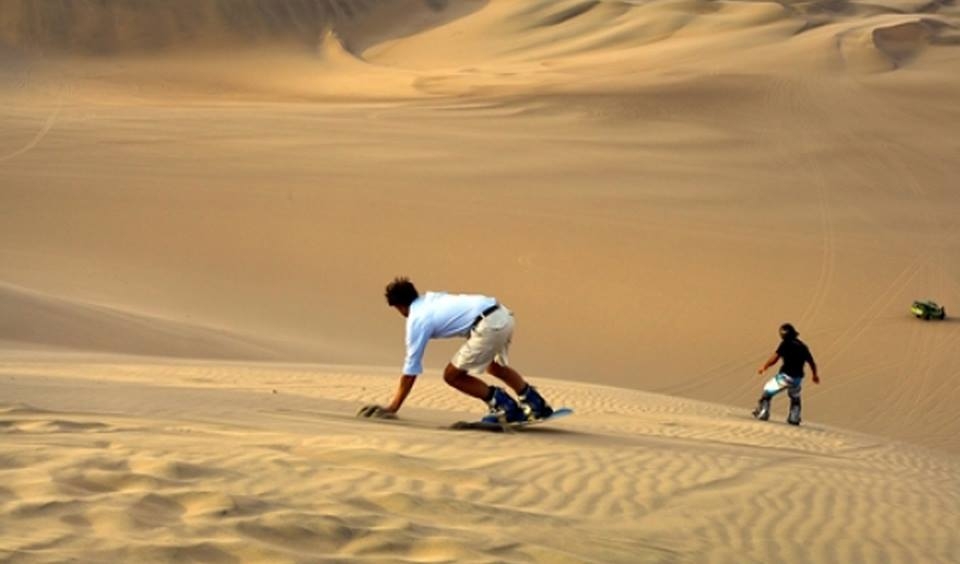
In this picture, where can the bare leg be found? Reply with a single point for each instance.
(509, 376)
(466, 383)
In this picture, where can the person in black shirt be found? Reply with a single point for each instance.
(795, 354)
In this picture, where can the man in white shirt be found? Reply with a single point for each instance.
(488, 328)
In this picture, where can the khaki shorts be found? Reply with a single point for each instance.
(489, 341)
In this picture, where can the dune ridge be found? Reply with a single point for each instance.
(382, 50)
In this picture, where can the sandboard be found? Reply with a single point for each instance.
(484, 426)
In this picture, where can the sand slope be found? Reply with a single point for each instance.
(667, 240)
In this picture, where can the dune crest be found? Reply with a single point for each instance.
(893, 44)
(389, 48)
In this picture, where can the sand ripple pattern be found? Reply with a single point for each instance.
(226, 463)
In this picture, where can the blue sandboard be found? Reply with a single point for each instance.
(484, 426)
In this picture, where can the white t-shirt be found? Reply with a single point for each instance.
(438, 315)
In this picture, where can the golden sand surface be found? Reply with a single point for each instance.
(201, 202)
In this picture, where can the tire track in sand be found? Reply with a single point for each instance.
(44, 130)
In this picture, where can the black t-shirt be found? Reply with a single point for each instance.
(794, 354)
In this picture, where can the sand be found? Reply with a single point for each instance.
(202, 202)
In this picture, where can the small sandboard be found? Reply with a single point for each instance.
(484, 426)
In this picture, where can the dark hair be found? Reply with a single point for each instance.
(787, 331)
(401, 292)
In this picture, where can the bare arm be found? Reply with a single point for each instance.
(770, 362)
(813, 369)
(379, 412)
(403, 390)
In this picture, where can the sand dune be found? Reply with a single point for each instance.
(413, 48)
(201, 201)
(124, 26)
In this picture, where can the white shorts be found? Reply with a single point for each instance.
(489, 341)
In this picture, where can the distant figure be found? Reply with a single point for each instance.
(488, 328)
(790, 377)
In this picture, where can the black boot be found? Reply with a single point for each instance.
(794, 417)
(762, 411)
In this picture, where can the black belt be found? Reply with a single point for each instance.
(485, 313)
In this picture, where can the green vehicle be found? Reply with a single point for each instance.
(927, 310)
